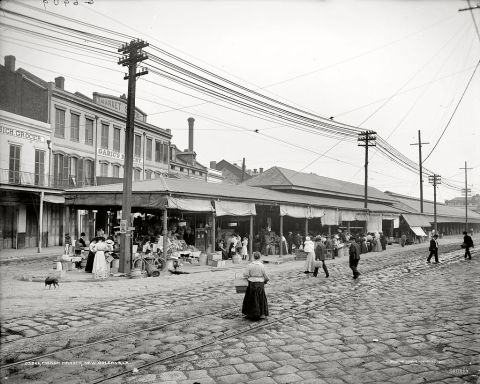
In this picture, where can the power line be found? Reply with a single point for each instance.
(455, 110)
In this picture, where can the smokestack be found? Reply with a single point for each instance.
(213, 165)
(10, 63)
(191, 120)
(261, 170)
(60, 82)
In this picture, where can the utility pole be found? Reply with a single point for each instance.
(132, 54)
(243, 170)
(467, 192)
(420, 168)
(367, 139)
(435, 180)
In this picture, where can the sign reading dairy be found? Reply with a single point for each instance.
(118, 104)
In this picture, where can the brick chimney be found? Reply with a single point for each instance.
(261, 170)
(213, 165)
(191, 120)
(60, 82)
(10, 63)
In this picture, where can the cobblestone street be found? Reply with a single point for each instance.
(403, 321)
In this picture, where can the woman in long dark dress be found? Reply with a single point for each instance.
(255, 303)
(91, 256)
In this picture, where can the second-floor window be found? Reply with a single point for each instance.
(104, 169)
(116, 171)
(116, 139)
(74, 127)
(136, 174)
(88, 168)
(158, 151)
(59, 123)
(138, 146)
(39, 167)
(148, 150)
(104, 138)
(88, 131)
(14, 164)
(60, 170)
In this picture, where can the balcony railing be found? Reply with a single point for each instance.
(21, 178)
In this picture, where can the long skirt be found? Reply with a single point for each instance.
(309, 262)
(89, 265)
(255, 301)
(100, 270)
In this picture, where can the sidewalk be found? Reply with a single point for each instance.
(27, 254)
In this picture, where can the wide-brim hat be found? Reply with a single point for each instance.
(307, 238)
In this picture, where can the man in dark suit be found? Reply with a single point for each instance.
(467, 240)
(433, 249)
(354, 253)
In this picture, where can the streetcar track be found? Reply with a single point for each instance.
(150, 302)
(202, 343)
(256, 326)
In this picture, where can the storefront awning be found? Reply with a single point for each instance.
(418, 231)
(195, 205)
(330, 217)
(416, 220)
(301, 212)
(374, 223)
(54, 199)
(348, 215)
(234, 208)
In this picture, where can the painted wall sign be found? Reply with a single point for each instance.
(21, 134)
(116, 155)
(117, 104)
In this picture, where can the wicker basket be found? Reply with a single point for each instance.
(241, 283)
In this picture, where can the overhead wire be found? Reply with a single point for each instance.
(325, 123)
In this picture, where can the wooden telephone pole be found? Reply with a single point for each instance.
(132, 55)
(466, 191)
(420, 168)
(367, 139)
(435, 180)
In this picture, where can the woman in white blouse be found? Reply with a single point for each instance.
(255, 303)
(309, 248)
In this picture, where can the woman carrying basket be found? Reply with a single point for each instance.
(255, 304)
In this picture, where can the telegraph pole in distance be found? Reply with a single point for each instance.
(243, 170)
(132, 54)
(435, 180)
(367, 139)
(466, 190)
(420, 165)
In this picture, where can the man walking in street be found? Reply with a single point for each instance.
(354, 253)
(468, 242)
(433, 249)
(320, 256)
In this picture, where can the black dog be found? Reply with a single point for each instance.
(51, 280)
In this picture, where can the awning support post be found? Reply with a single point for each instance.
(250, 240)
(281, 236)
(40, 223)
(165, 240)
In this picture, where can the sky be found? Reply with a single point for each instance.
(392, 66)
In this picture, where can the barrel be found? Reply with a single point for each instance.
(152, 270)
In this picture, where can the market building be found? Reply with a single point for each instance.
(215, 211)
(56, 139)
(416, 225)
(26, 193)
